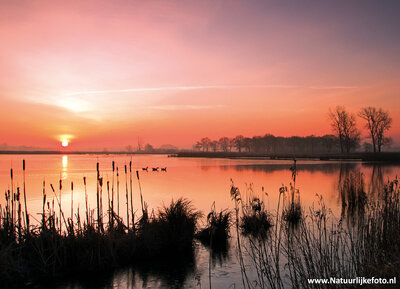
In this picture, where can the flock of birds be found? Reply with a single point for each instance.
(155, 169)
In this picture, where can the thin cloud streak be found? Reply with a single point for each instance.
(333, 87)
(199, 87)
(175, 88)
(185, 107)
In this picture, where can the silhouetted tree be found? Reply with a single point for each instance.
(378, 122)
(269, 144)
(224, 143)
(197, 146)
(247, 144)
(214, 145)
(148, 148)
(231, 144)
(238, 142)
(205, 143)
(344, 124)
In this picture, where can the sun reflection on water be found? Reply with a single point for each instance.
(64, 173)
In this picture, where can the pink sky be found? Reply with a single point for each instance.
(105, 73)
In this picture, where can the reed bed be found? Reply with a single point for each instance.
(320, 245)
(59, 247)
(285, 247)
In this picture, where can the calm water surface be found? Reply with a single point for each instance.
(203, 181)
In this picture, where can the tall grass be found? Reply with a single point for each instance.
(322, 246)
(59, 247)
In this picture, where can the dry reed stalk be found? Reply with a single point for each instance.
(98, 197)
(59, 204)
(112, 193)
(86, 201)
(26, 206)
(117, 192)
(44, 205)
(127, 196)
(130, 184)
(140, 190)
(72, 205)
(109, 203)
(12, 197)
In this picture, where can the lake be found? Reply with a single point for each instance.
(203, 181)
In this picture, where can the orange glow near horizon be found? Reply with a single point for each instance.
(107, 74)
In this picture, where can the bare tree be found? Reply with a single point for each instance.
(224, 143)
(238, 142)
(344, 125)
(214, 145)
(378, 123)
(197, 146)
(247, 144)
(205, 143)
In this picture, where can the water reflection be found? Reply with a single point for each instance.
(199, 180)
(64, 172)
(328, 168)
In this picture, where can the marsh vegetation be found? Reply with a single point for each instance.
(278, 245)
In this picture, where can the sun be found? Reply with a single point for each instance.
(65, 143)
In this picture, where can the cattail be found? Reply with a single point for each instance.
(130, 186)
(98, 202)
(26, 207)
(127, 196)
(72, 205)
(109, 204)
(44, 204)
(101, 203)
(12, 194)
(59, 203)
(117, 192)
(86, 201)
(112, 193)
(19, 213)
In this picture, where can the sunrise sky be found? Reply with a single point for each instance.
(103, 73)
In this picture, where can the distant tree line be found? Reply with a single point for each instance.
(346, 137)
(270, 144)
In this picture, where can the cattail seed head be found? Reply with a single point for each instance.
(23, 165)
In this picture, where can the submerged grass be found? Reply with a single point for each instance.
(216, 233)
(255, 220)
